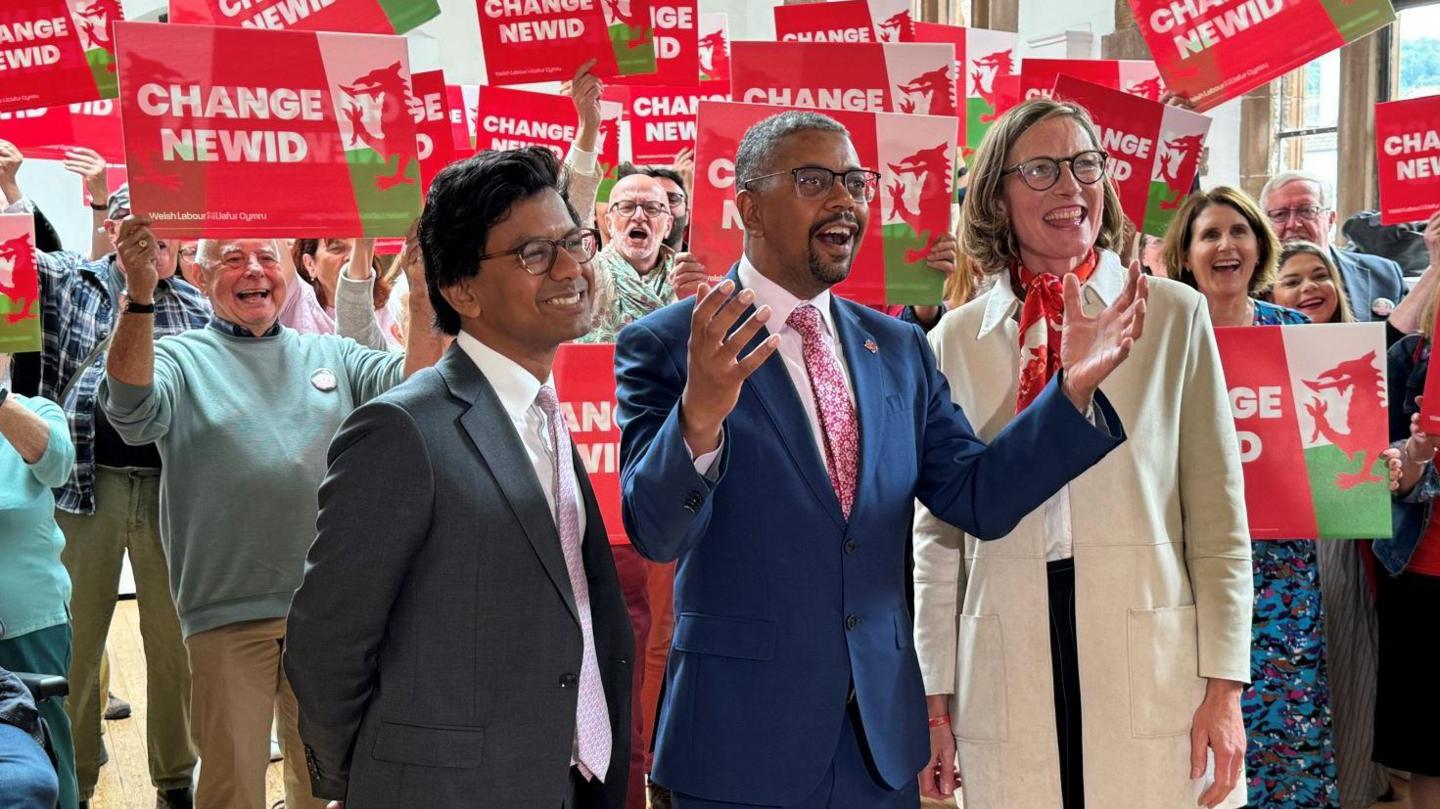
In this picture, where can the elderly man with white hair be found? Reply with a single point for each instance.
(1301, 205)
(242, 413)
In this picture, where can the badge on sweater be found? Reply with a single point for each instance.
(324, 380)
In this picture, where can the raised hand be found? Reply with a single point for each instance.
(1432, 239)
(685, 167)
(584, 90)
(716, 368)
(1092, 347)
(10, 160)
(91, 167)
(1395, 467)
(942, 256)
(138, 254)
(687, 274)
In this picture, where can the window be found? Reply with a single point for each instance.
(1418, 31)
(1309, 112)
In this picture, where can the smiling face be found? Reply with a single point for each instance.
(806, 245)
(245, 283)
(638, 236)
(1291, 198)
(519, 314)
(1307, 284)
(1060, 225)
(1224, 252)
(324, 266)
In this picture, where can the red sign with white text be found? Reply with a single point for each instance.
(508, 119)
(542, 40)
(353, 16)
(1210, 51)
(909, 78)
(585, 386)
(47, 133)
(55, 52)
(320, 143)
(434, 146)
(662, 119)
(1407, 141)
(1135, 77)
(677, 58)
(845, 21)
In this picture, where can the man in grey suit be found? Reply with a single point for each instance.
(460, 638)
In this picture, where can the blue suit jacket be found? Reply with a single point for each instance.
(780, 603)
(1367, 278)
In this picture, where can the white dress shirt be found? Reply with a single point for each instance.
(791, 349)
(1104, 286)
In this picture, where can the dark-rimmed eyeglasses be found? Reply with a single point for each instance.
(814, 182)
(1306, 213)
(1042, 173)
(537, 256)
(627, 207)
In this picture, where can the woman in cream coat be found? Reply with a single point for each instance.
(1094, 656)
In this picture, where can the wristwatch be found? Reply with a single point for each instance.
(4, 394)
(136, 308)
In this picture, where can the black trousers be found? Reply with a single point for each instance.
(1065, 667)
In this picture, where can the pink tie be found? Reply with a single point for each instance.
(832, 398)
(592, 716)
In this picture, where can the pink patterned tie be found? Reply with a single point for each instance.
(592, 716)
(832, 397)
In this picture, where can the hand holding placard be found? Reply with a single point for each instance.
(138, 254)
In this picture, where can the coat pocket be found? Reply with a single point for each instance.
(429, 745)
(1165, 684)
(745, 638)
(981, 712)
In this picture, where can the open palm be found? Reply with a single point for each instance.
(1092, 347)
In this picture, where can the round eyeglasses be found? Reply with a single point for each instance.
(1042, 173)
(537, 256)
(814, 182)
(628, 207)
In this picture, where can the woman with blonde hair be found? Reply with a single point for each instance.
(1222, 244)
(1134, 579)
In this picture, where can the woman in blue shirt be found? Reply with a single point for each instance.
(35, 455)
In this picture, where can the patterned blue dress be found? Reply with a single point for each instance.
(1289, 762)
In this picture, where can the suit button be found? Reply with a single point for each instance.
(568, 680)
(850, 546)
(852, 621)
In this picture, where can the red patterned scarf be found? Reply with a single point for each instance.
(1041, 316)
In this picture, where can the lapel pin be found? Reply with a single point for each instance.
(871, 347)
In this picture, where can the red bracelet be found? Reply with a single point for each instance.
(939, 721)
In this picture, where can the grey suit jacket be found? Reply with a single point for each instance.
(434, 644)
(1369, 279)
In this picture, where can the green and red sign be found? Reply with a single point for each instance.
(1407, 142)
(712, 51)
(908, 78)
(1310, 398)
(544, 40)
(982, 57)
(1211, 51)
(434, 145)
(320, 143)
(915, 157)
(585, 386)
(352, 16)
(55, 52)
(677, 57)
(1154, 149)
(1136, 77)
(845, 21)
(19, 285)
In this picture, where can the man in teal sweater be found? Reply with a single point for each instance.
(242, 413)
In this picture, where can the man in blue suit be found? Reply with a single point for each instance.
(780, 464)
(1301, 206)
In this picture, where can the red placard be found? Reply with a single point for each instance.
(320, 143)
(910, 78)
(462, 98)
(585, 386)
(535, 40)
(354, 16)
(713, 47)
(19, 285)
(845, 21)
(915, 157)
(55, 52)
(115, 176)
(1407, 141)
(677, 58)
(662, 119)
(1135, 77)
(48, 132)
(508, 119)
(1212, 51)
(434, 144)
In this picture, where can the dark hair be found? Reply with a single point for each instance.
(309, 247)
(468, 198)
(756, 152)
(658, 172)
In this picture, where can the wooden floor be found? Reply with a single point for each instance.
(125, 781)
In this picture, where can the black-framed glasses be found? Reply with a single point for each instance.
(1306, 213)
(814, 182)
(537, 256)
(675, 199)
(1042, 173)
(627, 207)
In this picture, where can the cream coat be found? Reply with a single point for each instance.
(1162, 568)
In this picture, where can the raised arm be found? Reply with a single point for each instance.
(138, 408)
(91, 167)
(582, 170)
(38, 431)
(354, 298)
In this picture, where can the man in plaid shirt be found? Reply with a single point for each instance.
(110, 505)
